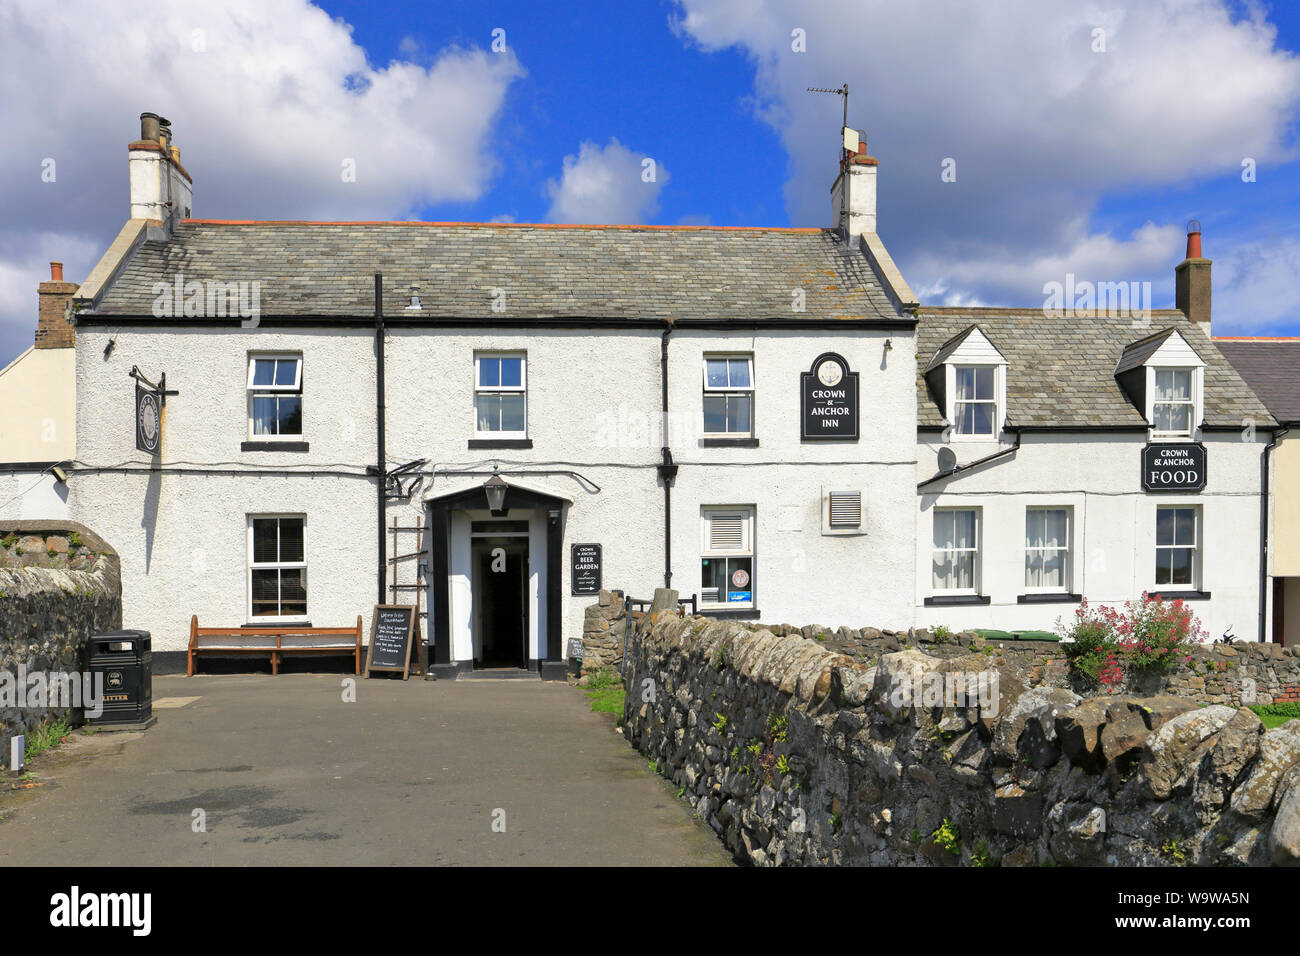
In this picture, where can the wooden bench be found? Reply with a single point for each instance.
(276, 641)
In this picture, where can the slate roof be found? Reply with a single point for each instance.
(1061, 371)
(1136, 353)
(1271, 367)
(952, 345)
(633, 272)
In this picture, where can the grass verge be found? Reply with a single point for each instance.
(605, 691)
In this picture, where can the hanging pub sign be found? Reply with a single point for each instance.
(585, 569)
(1173, 466)
(829, 400)
(148, 420)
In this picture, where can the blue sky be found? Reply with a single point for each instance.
(1072, 155)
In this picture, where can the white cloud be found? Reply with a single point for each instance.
(609, 184)
(1257, 286)
(267, 101)
(1041, 127)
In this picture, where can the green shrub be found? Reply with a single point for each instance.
(1103, 644)
(1275, 715)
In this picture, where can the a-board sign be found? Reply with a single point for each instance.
(584, 574)
(1173, 466)
(828, 395)
(395, 640)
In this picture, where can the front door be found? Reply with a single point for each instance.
(501, 600)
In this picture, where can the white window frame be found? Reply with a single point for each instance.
(978, 534)
(521, 388)
(262, 391)
(1067, 572)
(1197, 548)
(751, 391)
(998, 401)
(747, 514)
(277, 565)
(1195, 387)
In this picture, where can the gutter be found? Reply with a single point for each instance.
(958, 469)
(1263, 530)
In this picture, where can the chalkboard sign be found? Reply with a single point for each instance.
(394, 639)
(584, 575)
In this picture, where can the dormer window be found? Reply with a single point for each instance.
(1173, 406)
(975, 403)
(968, 377)
(1165, 380)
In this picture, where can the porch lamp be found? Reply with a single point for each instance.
(495, 489)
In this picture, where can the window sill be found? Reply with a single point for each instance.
(728, 442)
(500, 443)
(274, 446)
(956, 600)
(1180, 595)
(1048, 597)
(281, 622)
(730, 614)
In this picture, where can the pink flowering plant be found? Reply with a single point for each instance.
(1149, 635)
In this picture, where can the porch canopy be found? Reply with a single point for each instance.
(466, 494)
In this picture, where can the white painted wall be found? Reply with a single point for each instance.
(182, 537)
(594, 399)
(800, 575)
(1114, 530)
(32, 494)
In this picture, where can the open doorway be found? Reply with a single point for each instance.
(500, 588)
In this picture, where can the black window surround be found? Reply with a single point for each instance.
(1049, 597)
(274, 446)
(956, 600)
(1181, 595)
(725, 614)
(728, 442)
(502, 443)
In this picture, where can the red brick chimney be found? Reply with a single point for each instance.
(1192, 282)
(54, 329)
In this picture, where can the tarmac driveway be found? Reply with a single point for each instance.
(285, 772)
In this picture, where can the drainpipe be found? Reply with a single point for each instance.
(667, 469)
(1263, 535)
(380, 451)
(958, 469)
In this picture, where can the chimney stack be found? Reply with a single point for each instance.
(1192, 282)
(54, 328)
(161, 190)
(853, 197)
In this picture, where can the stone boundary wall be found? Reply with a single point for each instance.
(1230, 674)
(602, 632)
(64, 586)
(795, 754)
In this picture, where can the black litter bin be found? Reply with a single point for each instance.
(125, 661)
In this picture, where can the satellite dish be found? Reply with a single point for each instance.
(947, 459)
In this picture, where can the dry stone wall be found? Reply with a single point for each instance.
(59, 583)
(796, 754)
